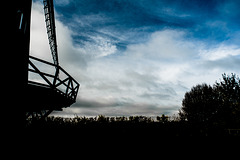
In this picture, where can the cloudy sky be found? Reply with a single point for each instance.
(139, 57)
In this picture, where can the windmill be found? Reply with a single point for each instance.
(51, 90)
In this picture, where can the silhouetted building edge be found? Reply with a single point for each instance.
(19, 56)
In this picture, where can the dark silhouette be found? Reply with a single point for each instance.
(199, 104)
(17, 80)
(218, 105)
(228, 96)
(102, 126)
(37, 99)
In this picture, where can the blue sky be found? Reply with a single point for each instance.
(214, 21)
(139, 57)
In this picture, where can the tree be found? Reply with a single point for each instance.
(163, 119)
(228, 94)
(219, 104)
(199, 104)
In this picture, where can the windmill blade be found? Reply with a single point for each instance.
(50, 25)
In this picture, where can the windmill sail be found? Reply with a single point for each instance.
(50, 25)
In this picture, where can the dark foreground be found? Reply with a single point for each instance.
(132, 126)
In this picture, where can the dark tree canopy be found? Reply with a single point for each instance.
(228, 94)
(218, 104)
(199, 104)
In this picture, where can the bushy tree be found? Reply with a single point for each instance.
(199, 104)
(228, 96)
(219, 104)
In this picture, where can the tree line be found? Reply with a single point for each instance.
(206, 110)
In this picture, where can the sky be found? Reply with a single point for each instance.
(139, 57)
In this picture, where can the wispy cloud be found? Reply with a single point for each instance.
(220, 52)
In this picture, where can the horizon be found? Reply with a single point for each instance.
(139, 57)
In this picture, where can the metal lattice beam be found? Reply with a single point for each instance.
(50, 25)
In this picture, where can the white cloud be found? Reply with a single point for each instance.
(166, 44)
(130, 81)
(99, 47)
(220, 52)
(39, 46)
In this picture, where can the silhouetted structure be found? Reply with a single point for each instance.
(51, 91)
